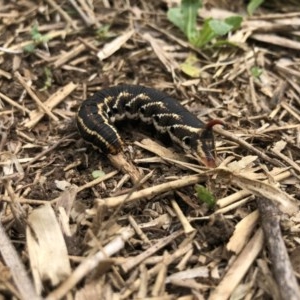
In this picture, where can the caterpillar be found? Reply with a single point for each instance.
(97, 114)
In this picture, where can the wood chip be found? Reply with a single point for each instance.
(113, 46)
(46, 243)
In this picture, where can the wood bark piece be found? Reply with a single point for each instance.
(242, 232)
(46, 244)
(113, 46)
(282, 268)
(121, 162)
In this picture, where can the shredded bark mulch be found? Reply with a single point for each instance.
(77, 224)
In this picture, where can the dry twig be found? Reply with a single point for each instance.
(281, 265)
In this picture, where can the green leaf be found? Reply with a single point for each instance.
(205, 35)
(48, 80)
(29, 48)
(219, 27)
(36, 36)
(253, 5)
(205, 195)
(175, 16)
(234, 21)
(190, 68)
(185, 17)
(98, 173)
(35, 32)
(213, 28)
(222, 43)
(103, 31)
(256, 71)
(189, 10)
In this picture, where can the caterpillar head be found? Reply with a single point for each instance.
(202, 144)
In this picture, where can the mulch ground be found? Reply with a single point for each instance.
(74, 225)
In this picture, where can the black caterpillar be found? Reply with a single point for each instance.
(97, 114)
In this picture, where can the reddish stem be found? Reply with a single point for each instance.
(214, 122)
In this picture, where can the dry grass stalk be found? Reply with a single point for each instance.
(50, 103)
(68, 19)
(276, 40)
(90, 263)
(40, 104)
(235, 203)
(285, 202)
(248, 146)
(166, 59)
(65, 57)
(12, 260)
(43, 153)
(238, 268)
(131, 263)
(86, 12)
(97, 181)
(139, 231)
(167, 260)
(159, 285)
(182, 218)
(18, 48)
(288, 160)
(241, 194)
(14, 104)
(159, 150)
(149, 192)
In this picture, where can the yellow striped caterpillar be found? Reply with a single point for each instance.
(98, 113)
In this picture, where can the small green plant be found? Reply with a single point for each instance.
(204, 195)
(37, 38)
(103, 32)
(98, 173)
(253, 5)
(48, 79)
(185, 18)
(256, 71)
